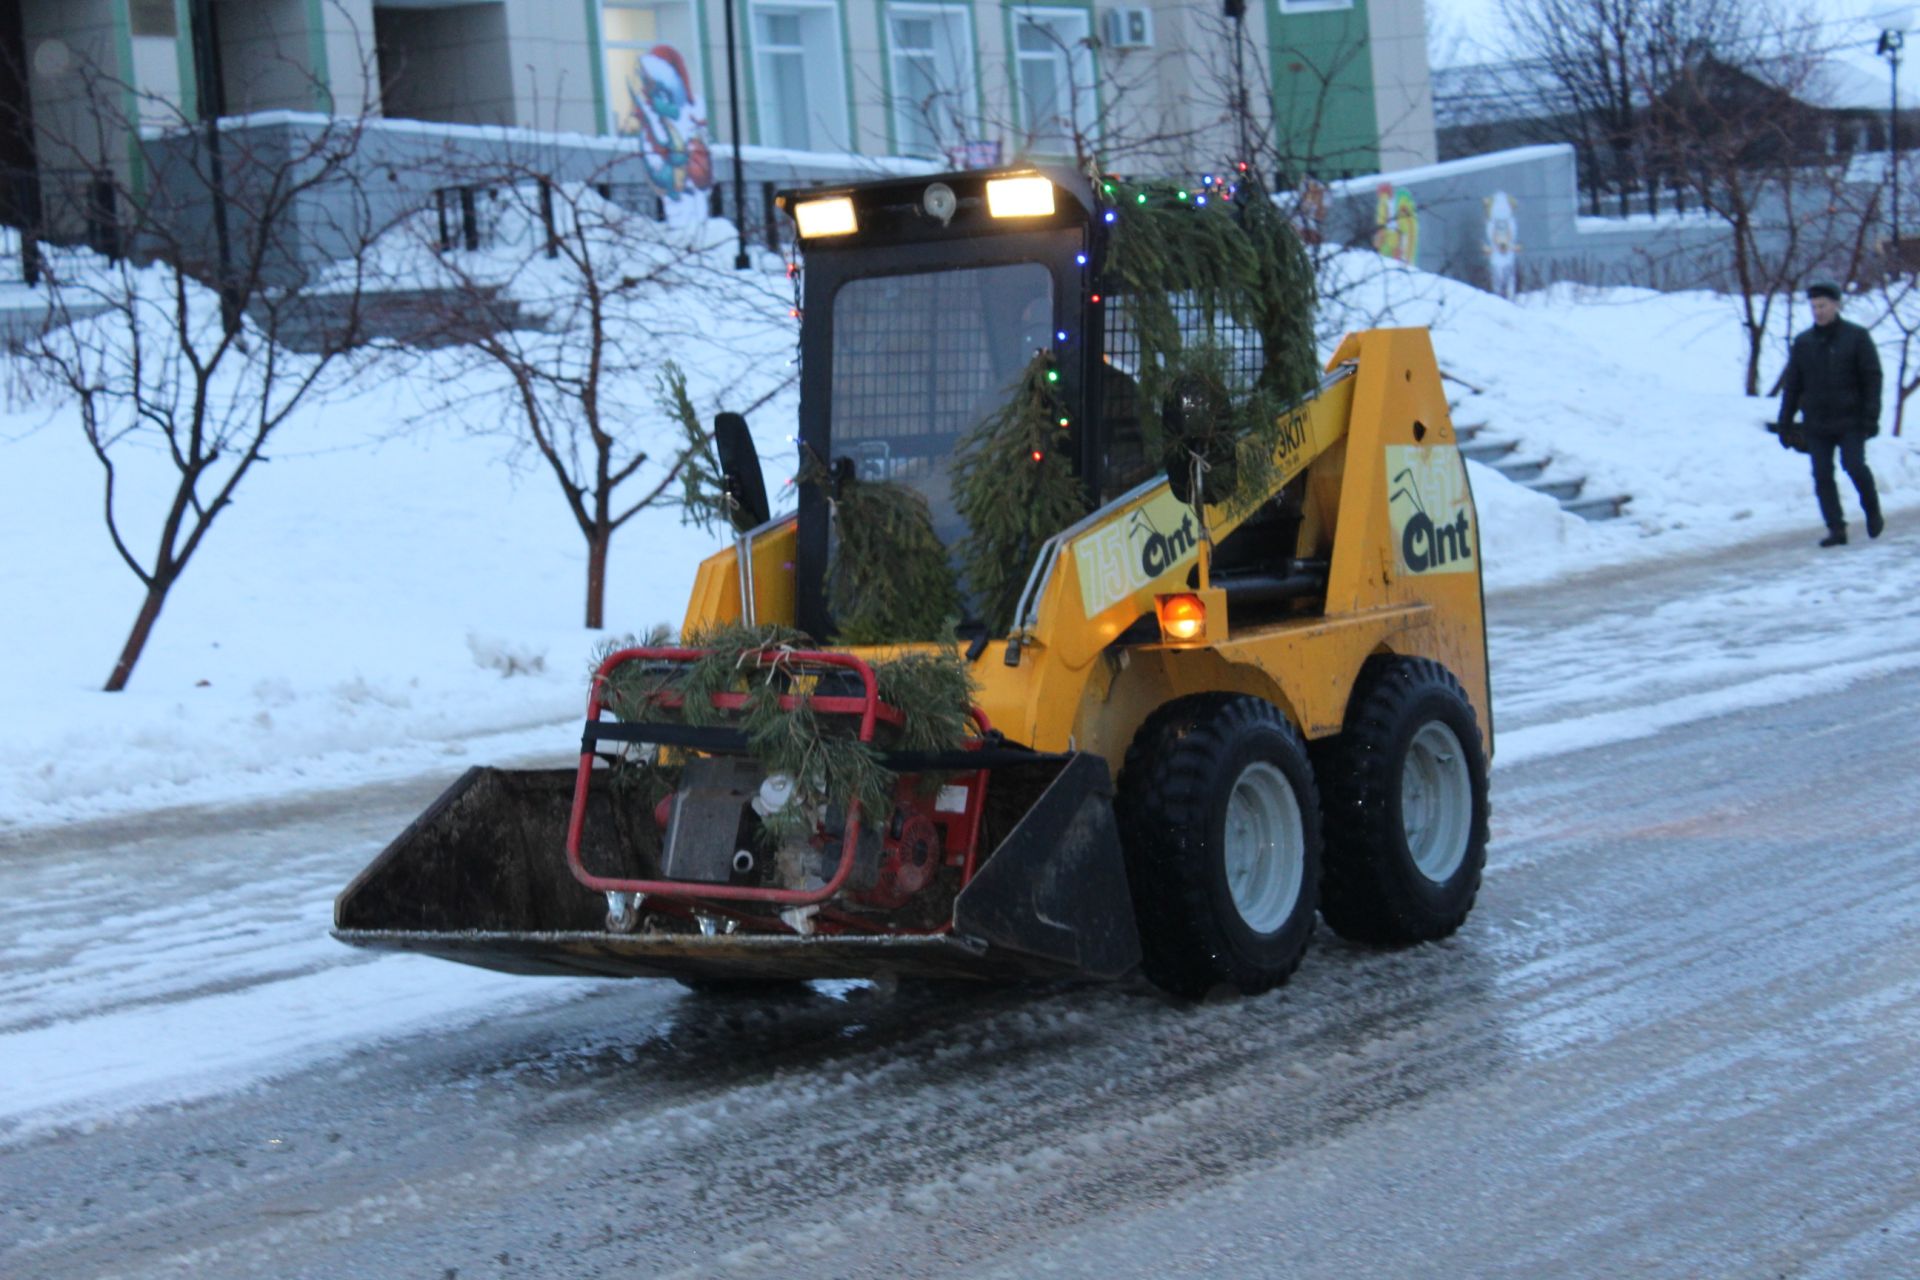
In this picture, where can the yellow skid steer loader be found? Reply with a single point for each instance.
(1207, 723)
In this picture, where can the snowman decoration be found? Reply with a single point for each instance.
(1503, 245)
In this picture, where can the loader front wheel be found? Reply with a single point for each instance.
(1221, 825)
(1404, 794)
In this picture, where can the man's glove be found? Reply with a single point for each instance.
(1789, 435)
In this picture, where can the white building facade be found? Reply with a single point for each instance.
(968, 81)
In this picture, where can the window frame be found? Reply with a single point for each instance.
(945, 11)
(844, 119)
(696, 57)
(1082, 46)
(1291, 8)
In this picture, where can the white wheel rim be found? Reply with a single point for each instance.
(1436, 801)
(1266, 847)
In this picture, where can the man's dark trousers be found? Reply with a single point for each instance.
(1852, 446)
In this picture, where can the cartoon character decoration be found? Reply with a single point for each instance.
(1503, 245)
(1397, 224)
(672, 123)
(1310, 211)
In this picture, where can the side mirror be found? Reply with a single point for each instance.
(740, 471)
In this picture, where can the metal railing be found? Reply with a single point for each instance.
(62, 207)
(470, 216)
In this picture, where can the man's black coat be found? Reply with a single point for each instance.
(1833, 374)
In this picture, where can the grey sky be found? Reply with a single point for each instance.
(1462, 31)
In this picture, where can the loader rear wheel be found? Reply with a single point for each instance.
(1221, 826)
(1404, 793)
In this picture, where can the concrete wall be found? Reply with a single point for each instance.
(267, 57)
(1403, 94)
(397, 166)
(1512, 220)
(1462, 217)
(340, 34)
(554, 48)
(75, 56)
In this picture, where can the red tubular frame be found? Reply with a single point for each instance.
(869, 708)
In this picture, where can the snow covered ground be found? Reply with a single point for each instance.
(390, 596)
(215, 973)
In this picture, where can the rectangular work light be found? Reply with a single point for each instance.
(1020, 197)
(825, 218)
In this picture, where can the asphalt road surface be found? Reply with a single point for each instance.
(1677, 1038)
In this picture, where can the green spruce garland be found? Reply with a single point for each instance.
(830, 767)
(1015, 486)
(890, 580)
(1174, 259)
(703, 490)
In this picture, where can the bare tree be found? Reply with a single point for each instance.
(1740, 128)
(1292, 148)
(1899, 298)
(1896, 301)
(560, 321)
(185, 360)
(1608, 59)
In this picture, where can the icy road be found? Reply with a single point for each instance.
(1678, 1038)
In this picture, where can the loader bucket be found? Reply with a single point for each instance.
(481, 877)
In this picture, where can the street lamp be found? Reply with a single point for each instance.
(1237, 11)
(210, 94)
(1891, 42)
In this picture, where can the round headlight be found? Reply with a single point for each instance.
(939, 202)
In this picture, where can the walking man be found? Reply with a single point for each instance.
(1833, 375)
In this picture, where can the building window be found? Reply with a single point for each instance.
(1055, 65)
(800, 85)
(652, 48)
(933, 79)
(1312, 6)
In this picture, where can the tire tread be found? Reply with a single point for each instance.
(1365, 894)
(1165, 782)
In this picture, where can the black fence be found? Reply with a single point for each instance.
(470, 216)
(61, 207)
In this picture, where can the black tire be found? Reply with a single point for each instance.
(1373, 888)
(1179, 781)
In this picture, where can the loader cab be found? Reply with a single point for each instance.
(923, 300)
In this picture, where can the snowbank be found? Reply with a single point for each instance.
(395, 581)
(1636, 390)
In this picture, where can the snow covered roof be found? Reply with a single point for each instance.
(1493, 92)
(1853, 79)
(1846, 79)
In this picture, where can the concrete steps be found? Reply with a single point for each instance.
(1599, 508)
(1535, 471)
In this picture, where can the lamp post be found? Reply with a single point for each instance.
(740, 262)
(1237, 11)
(210, 93)
(1891, 42)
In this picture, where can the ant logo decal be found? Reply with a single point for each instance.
(1436, 538)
